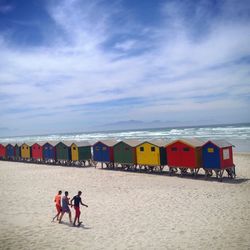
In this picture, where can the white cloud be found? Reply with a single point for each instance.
(77, 69)
(126, 45)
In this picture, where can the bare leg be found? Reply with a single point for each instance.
(56, 216)
(75, 220)
(60, 219)
(70, 219)
(78, 218)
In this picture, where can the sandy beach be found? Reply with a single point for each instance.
(126, 210)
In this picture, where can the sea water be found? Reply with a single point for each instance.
(238, 135)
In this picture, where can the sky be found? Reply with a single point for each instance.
(78, 65)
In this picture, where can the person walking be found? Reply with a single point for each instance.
(57, 200)
(77, 201)
(65, 207)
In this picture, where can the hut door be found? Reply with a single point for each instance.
(187, 156)
(211, 157)
(174, 159)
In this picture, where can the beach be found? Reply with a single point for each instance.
(127, 210)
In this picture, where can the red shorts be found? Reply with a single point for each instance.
(58, 208)
(78, 212)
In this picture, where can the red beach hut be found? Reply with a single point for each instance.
(185, 154)
(37, 151)
(2, 151)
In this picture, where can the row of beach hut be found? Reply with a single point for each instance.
(184, 154)
(47, 151)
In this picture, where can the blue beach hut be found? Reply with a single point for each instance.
(10, 151)
(103, 151)
(217, 154)
(49, 151)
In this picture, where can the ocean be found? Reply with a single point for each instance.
(237, 134)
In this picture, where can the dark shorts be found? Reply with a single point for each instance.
(78, 212)
(66, 210)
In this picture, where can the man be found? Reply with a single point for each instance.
(77, 201)
(57, 200)
(65, 207)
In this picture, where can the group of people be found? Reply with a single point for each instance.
(63, 205)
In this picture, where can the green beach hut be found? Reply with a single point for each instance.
(63, 151)
(17, 151)
(125, 152)
(84, 151)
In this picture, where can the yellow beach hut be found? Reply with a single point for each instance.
(25, 151)
(74, 152)
(151, 153)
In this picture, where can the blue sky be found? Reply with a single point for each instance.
(76, 65)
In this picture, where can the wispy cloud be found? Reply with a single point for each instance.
(195, 64)
(126, 45)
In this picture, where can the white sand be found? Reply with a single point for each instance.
(126, 210)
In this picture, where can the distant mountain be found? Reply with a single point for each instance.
(137, 124)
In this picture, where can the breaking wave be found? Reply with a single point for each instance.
(236, 134)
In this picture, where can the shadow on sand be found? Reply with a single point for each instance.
(82, 226)
(225, 179)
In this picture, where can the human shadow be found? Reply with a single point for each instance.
(82, 226)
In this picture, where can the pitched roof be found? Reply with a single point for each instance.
(158, 143)
(27, 143)
(40, 143)
(193, 142)
(53, 143)
(131, 143)
(67, 143)
(109, 143)
(19, 144)
(81, 143)
(221, 143)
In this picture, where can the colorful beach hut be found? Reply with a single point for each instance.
(63, 151)
(25, 151)
(10, 151)
(49, 150)
(217, 154)
(152, 153)
(125, 152)
(80, 151)
(185, 153)
(37, 151)
(103, 151)
(2, 150)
